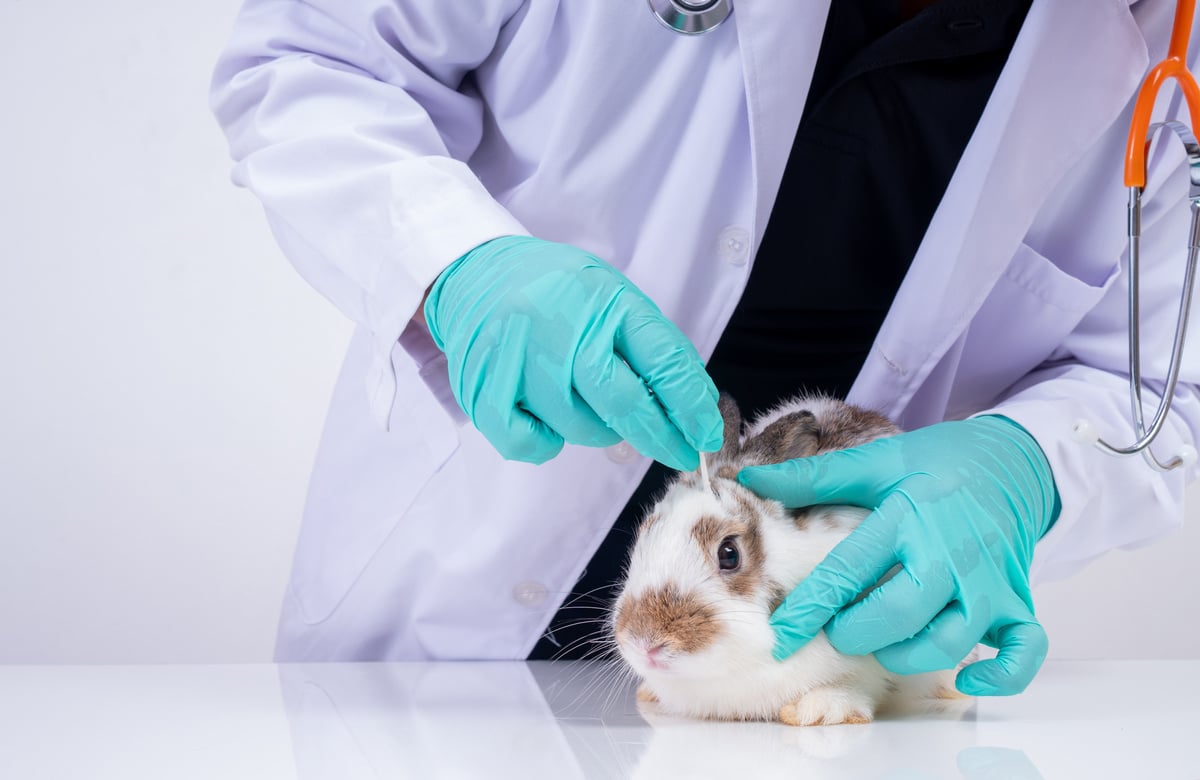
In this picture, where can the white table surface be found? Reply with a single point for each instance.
(563, 720)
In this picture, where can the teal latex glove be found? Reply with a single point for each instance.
(959, 506)
(546, 343)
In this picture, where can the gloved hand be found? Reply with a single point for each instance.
(547, 343)
(959, 506)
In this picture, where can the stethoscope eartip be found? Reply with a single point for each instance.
(1084, 432)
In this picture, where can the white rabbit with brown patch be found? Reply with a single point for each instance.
(709, 567)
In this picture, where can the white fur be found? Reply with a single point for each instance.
(735, 677)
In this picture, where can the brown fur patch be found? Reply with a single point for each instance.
(668, 616)
(794, 435)
(727, 472)
(851, 426)
(800, 434)
(745, 580)
(949, 692)
(731, 415)
(645, 694)
(708, 533)
(787, 715)
(858, 718)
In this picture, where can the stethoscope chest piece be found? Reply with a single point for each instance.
(692, 17)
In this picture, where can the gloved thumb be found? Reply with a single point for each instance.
(1022, 649)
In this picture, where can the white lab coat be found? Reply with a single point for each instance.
(386, 138)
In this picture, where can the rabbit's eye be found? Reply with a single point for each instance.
(728, 557)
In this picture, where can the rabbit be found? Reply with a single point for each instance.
(708, 568)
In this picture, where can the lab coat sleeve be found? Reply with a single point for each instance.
(346, 119)
(1108, 501)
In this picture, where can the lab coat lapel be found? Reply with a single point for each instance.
(778, 50)
(1073, 69)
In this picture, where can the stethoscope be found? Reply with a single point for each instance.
(1141, 132)
(693, 17)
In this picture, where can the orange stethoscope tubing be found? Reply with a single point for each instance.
(1174, 67)
(1140, 134)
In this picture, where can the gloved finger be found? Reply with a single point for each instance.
(1022, 649)
(490, 401)
(658, 352)
(893, 612)
(517, 435)
(621, 400)
(942, 644)
(565, 412)
(855, 564)
(862, 476)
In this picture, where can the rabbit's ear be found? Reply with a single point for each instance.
(795, 435)
(731, 444)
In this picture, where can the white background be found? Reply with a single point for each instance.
(165, 372)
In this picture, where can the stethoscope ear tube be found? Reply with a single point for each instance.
(1083, 430)
(692, 17)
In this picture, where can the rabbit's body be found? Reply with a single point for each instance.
(696, 627)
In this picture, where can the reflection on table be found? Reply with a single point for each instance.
(564, 720)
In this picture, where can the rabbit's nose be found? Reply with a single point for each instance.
(655, 656)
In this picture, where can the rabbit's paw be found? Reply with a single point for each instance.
(828, 707)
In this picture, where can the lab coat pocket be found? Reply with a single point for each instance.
(1033, 308)
(365, 478)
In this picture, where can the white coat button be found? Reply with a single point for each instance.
(529, 594)
(623, 453)
(733, 245)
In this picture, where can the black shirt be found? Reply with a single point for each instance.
(892, 105)
(890, 110)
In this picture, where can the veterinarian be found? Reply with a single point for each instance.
(560, 226)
